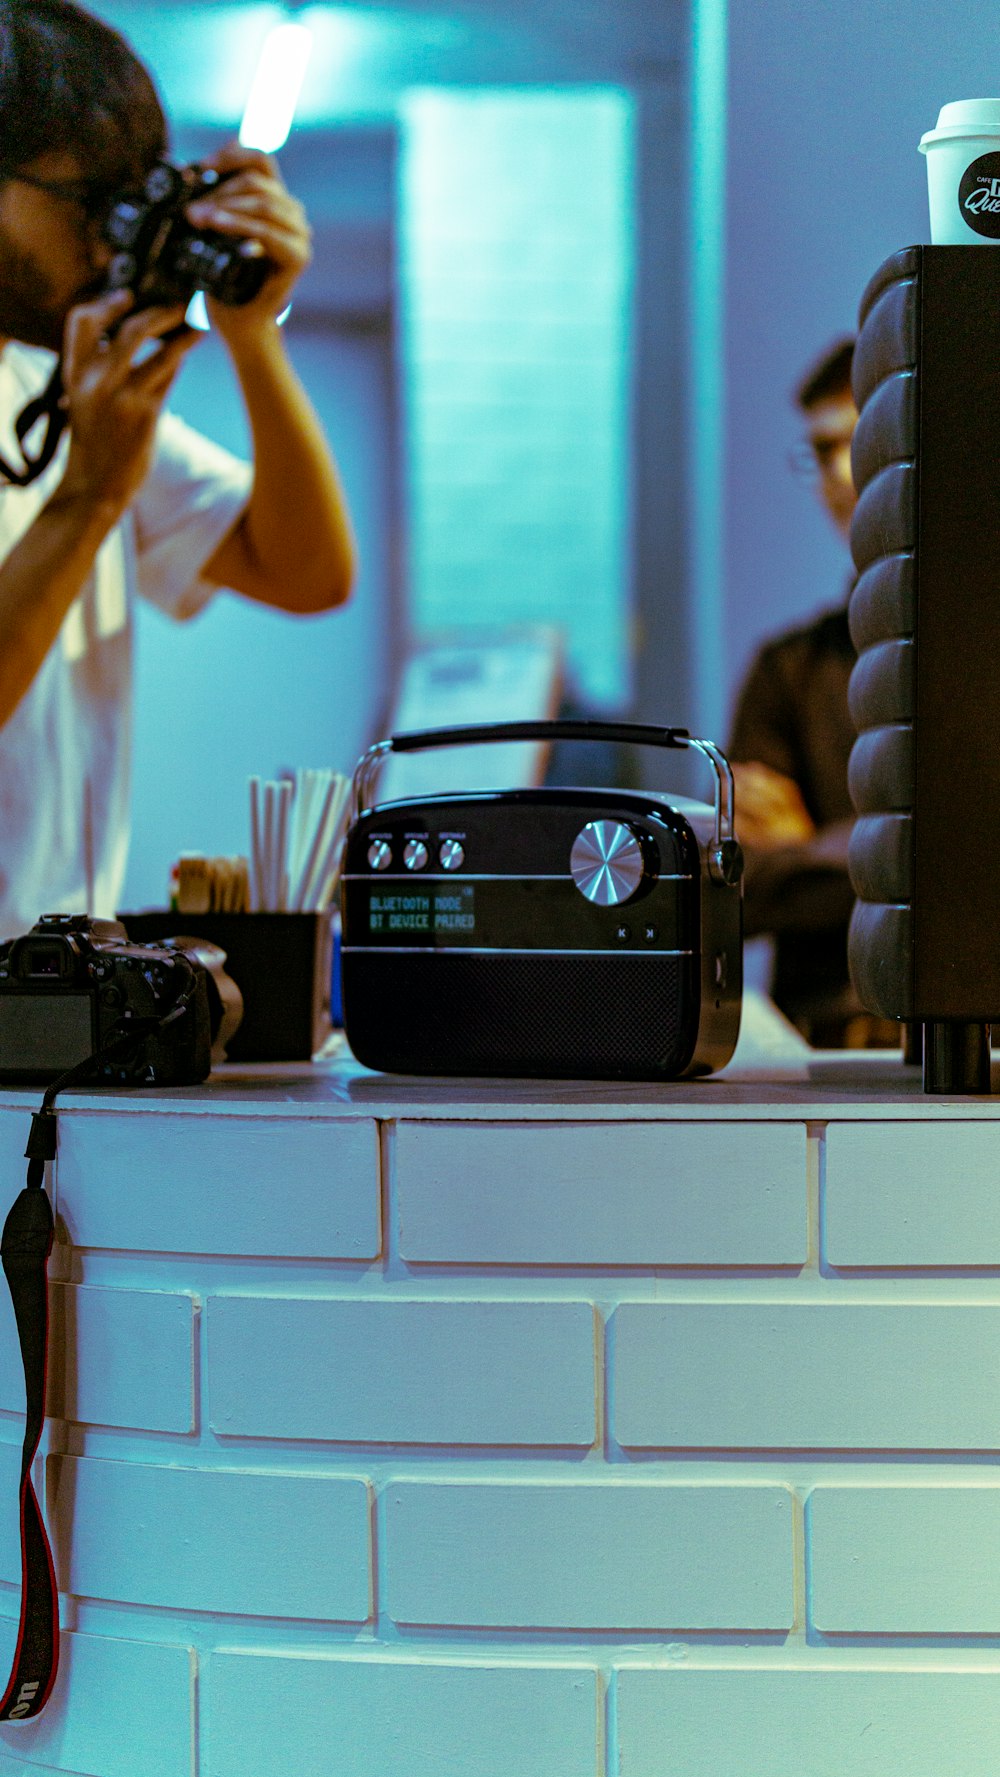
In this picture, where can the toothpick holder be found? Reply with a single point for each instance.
(281, 963)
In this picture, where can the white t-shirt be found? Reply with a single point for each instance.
(65, 752)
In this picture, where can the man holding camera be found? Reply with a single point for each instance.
(133, 502)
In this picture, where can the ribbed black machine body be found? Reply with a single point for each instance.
(925, 618)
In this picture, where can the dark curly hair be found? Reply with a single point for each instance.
(70, 83)
(829, 375)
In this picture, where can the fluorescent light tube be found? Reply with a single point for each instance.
(197, 313)
(277, 83)
(267, 118)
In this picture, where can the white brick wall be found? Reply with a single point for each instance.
(94, 1378)
(225, 1540)
(296, 1186)
(832, 1375)
(689, 1194)
(108, 1693)
(830, 1724)
(595, 1556)
(392, 1717)
(402, 1372)
(913, 1560)
(909, 1194)
(661, 1449)
(515, 276)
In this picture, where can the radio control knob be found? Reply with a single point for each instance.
(379, 854)
(451, 855)
(606, 862)
(415, 854)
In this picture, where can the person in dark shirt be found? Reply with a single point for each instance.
(789, 746)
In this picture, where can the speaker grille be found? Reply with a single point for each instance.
(629, 1018)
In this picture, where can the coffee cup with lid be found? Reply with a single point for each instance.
(963, 173)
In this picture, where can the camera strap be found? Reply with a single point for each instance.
(50, 407)
(24, 1251)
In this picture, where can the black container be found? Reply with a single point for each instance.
(281, 965)
(925, 619)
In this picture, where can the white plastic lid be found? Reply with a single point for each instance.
(964, 117)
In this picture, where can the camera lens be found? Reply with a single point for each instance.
(163, 181)
(125, 223)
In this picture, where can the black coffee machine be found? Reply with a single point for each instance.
(925, 693)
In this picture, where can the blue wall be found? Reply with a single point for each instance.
(826, 106)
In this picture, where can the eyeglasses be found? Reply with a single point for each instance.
(92, 196)
(816, 456)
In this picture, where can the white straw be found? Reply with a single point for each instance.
(256, 862)
(268, 898)
(281, 846)
(319, 887)
(316, 846)
(299, 800)
(89, 873)
(296, 831)
(334, 839)
(309, 790)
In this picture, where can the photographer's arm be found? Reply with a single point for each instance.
(114, 406)
(292, 546)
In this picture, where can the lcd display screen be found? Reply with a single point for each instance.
(432, 910)
(44, 1032)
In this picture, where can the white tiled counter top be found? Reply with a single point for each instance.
(424, 1428)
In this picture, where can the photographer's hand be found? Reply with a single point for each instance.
(114, 403)
(254, 204)
(117, 371)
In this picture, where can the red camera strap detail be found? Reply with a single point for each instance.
(24, 1250)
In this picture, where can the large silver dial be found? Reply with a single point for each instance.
(606, 862)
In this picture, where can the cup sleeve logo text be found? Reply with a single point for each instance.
(979, 196)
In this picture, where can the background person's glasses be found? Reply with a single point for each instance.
(811, 457)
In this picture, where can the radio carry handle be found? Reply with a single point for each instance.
(725, 859)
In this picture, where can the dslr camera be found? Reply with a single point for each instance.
(162, 259)
(74, 986)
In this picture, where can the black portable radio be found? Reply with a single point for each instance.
(548, 933)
